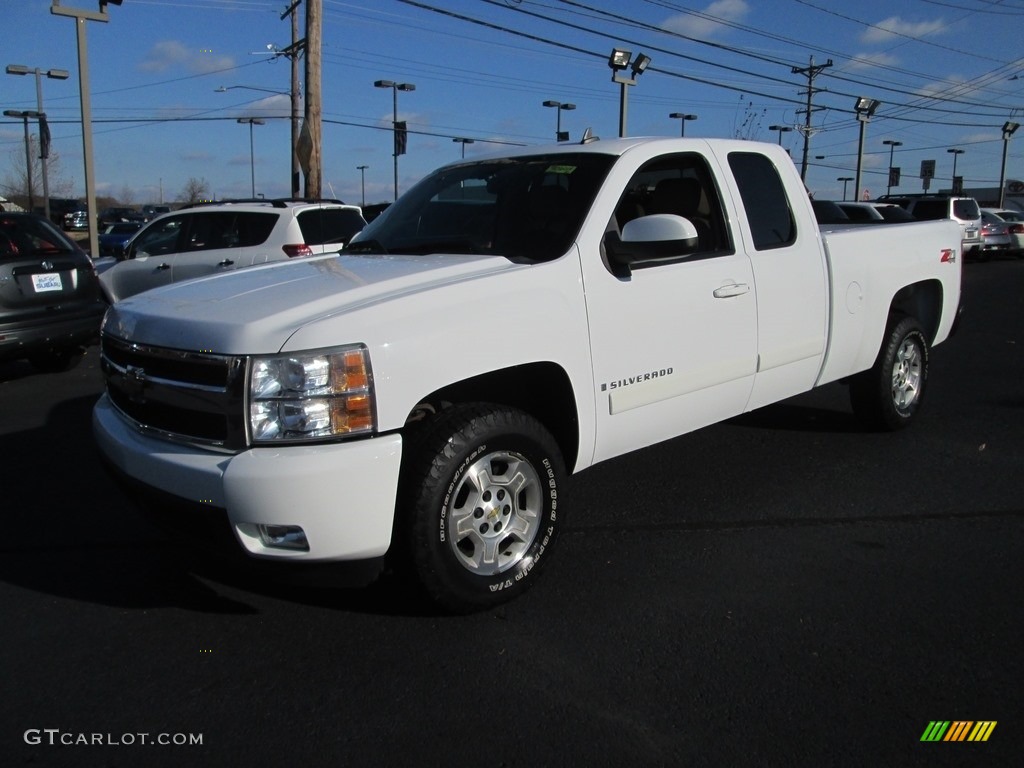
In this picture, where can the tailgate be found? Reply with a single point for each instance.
(41, 283)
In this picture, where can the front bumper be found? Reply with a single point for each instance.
(342, 495)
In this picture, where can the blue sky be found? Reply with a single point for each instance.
(949, 73)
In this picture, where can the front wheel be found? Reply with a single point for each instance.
(889, 395)
(480, 505)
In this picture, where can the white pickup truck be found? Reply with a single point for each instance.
(422, 394)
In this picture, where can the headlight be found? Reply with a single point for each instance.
(311, 395)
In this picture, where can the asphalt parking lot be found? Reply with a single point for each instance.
(782, 589)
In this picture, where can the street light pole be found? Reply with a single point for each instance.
(620, 61)
(955, 151)
(24, 116)
(781, 129)
(682, 118)
(395, 88)
(81, 16)
(362, 182)
(558, 120)
(252, 155)
(864, 108)
(1008, 130)
(892, 146)
(44, 130)
(464, 142)
(844, 179)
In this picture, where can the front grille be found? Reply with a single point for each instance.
(192, 397)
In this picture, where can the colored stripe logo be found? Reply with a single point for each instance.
(958, 730)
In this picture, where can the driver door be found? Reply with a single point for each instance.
(674, 343)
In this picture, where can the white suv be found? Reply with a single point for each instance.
(199, 241)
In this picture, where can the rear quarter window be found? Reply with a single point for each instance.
(329, 226)
(764, 199)
(966, 209)
(929, 210)
(254, 228)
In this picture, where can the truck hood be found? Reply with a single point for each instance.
(255, 310)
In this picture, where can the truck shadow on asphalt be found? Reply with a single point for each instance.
(75, 535)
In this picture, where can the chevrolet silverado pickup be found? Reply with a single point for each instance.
(421, 395)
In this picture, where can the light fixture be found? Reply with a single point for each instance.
(252, 157)
(892, 176)
(398, 135)
(619, 61)
(865, 108)
(1009, 128)
(956, 188)
(781, 129)
(682, 118)
(559, 136)
(844, 179)
(44, 129)
(619, 58)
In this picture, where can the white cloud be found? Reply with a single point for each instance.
(868, 60)
(173, 54)
(707, 24)
(953, 85)
(895, 29)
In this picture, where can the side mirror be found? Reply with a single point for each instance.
(654, 239)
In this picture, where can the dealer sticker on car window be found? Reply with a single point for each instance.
(47, 282)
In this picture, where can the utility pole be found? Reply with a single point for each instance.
(292, 52)
(810, 72)
(314, 108)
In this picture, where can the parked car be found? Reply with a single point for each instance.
(76, 220)
(214, 238)
(60, 207)
(117, 215)
(995, 236)
(829, 212)
(874, 213)
(49, 295)
(150, 212)
(114, 237)
(963, 210)
(1015, 227)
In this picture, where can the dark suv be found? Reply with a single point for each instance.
(49, 296)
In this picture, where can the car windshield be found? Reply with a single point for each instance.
(526, 208)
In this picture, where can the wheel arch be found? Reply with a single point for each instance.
(541, 389)
(923, 302)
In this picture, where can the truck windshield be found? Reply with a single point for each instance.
(525, 208)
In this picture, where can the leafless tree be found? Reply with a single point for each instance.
(195, 190)
(15, 182)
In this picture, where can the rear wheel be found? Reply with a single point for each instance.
(889, 395)
(480, 505)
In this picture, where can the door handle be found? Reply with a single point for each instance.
(225, 263)
(162, 267)
(728, 291)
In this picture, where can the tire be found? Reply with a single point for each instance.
(479, 505)
(889, 395)
(56, 359)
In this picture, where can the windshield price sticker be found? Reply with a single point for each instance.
(48, 282)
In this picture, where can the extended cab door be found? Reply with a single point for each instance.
(780, 234)
(673, 340)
